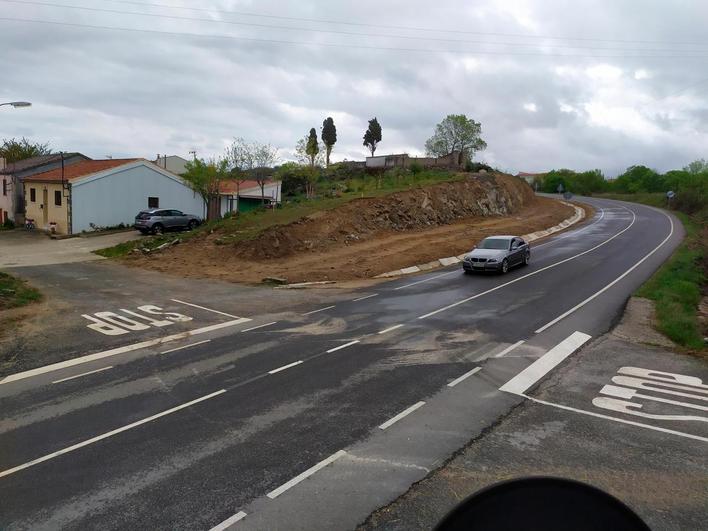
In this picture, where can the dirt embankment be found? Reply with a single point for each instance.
(369, 236)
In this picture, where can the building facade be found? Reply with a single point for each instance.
(104, 193)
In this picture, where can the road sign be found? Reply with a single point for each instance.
(670, 194)
(560, 188)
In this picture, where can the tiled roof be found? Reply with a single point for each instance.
(80, 169)
(33, 162)
(229, 187)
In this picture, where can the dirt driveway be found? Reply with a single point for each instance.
(20, 248)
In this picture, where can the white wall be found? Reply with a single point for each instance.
(272, 190)
(118, 195)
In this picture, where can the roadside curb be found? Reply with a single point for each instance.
(450, 260)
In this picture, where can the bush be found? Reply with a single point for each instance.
(415, 168)
(475, 167)
(9, 224)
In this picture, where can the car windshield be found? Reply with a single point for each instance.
(494, 243)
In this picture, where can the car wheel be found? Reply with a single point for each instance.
(158, 229)
(192, 225)
(527, 259)
(505, 266)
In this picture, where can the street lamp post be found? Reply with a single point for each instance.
(17, 104)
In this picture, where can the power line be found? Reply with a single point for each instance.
(338, 45)
(406, 28)
(338, 32)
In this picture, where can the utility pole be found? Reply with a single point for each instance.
(66, 192)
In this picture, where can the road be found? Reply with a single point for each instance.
(308, 417)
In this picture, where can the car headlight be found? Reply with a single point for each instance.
(492, 260)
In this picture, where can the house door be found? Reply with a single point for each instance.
(45, 207)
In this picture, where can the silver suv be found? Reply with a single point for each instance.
(159, 220)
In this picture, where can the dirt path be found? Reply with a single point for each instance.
(347, 261)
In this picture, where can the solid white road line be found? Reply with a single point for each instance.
(615, 281)
(259, 326)
(615, 419)
(390, 329)
(464, 376)
(556, 264)
(366, 297)
(572, 233)
(320, 310)
(231, 520)
(186, 346)
(285, 367)
(83, 374)
(427, 280)
(306, 474)
(509, 349)
(340, 347)
(207, 309)
(539, 368)
(107, 435)
(404, 413)
(118, 350)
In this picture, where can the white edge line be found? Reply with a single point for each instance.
(82, 374)
(427, 279)
(119, 350)
(365, 297)
(623, 421)
(319, 310)
(230, 520)
(404, 413)
(340, 347)
(207, 309)
(464, 376)
(285, 367)
(509, 349)
(390, 329)
(556, 264)
(259, 326)
(520, 383)
(306, 474)
(185, 346)
(615, 281)
(107, 435)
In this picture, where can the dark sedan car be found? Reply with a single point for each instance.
(159, 220)
(497, 253)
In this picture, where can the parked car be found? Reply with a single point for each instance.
(159, 220)
(497, 253)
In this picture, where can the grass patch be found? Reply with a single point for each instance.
(249, 225)
(677, 287)
(15, 292)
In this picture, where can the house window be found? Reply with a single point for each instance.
(4, 187)
(153, 202)
(33, 195)
(57, 197)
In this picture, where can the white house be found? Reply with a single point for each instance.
(104, 193)
(172, 163)
(249, 195)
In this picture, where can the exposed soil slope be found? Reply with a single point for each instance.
(370, 236)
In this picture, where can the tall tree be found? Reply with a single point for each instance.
(13, 150)
(205, 178)
(372, 136)
(265, 156)
(697, 166)
(239, 155)
(329, 136)
(313, 147)
(456, 133)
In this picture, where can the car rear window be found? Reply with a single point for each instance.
(144, 215)
(494, 243)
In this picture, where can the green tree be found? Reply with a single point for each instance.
(13, 150)
(372, 136)
(697, 166)
(639, 179)
(456, 133)
(329, 136)
(205, 178)
(313, 147)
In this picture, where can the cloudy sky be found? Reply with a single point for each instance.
(580, 84)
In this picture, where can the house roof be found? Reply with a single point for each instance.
(78, 170)
(526, 174)
(33, 162)
(229, 187)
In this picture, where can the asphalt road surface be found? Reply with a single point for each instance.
(199, 412)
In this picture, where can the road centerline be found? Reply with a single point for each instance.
(306, 474)
(230, 520)
(82, 374)
(319, 310)
(285, 367)
(390, 329)
(186, 346)
(390, 422)
(340, 347)
(464, 376)
(365, 297)
(259, 326)
(106, 435)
